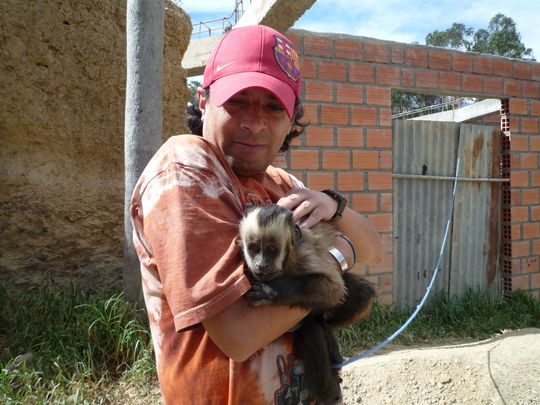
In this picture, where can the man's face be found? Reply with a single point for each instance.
(249, 129)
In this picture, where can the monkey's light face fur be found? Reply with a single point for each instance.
(266, 237)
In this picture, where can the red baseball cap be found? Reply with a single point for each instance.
(254, 56)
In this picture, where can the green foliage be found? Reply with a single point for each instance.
(193, 85)
(68, 339)
(500, 38)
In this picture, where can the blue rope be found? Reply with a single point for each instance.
(428, 289)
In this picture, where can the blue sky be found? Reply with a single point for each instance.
(395, 20)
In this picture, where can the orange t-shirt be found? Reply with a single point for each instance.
(185, 209)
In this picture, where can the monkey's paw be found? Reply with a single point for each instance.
(260, 294)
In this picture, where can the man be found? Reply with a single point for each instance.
(211, 347)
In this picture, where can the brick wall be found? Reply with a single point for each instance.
(348, 146)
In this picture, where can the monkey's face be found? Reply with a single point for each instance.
(266, 236)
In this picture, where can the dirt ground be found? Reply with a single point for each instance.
(502, 370)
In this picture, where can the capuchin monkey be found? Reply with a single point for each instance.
(292, 266)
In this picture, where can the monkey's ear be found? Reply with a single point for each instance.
(297, 234)
(238, 241)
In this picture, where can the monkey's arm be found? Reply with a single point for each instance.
(240, 330)
(314, 291)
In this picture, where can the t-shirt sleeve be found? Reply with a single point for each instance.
(191, 216)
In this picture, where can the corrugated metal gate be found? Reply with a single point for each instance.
(424, 154)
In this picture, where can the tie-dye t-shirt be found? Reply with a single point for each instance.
(185, 210)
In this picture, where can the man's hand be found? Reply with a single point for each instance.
(309, 207)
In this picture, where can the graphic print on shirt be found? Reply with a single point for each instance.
(291, 375)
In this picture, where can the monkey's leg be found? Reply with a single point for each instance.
(310, 344)
(357, 303)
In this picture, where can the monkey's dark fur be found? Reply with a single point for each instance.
(292, 267)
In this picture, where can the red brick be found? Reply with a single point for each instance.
(512, 88)
(350, 181)
(472, 83)
(365, 202)
(535, 108)
(535, 144)
(483, 65)
(304, 159)
(380, 181)
(318, 46)
(450, 80)
(379, 138)
(492, 85)
(387, 202)
(519, 214)
(361, 72)
(317, 136)
(385, 159)
(388, 75)
(522, 70)
(382, 222)
(535, 72)
(503, 67)
(519, 178)
(518, 106)
(331, 114)
(348, 49)
(530, 231)
(530, 196)
(416, 57)
(309, 68)
(336, 159)
(350, 137)
(521, 282)
(427, 78)
(349, 93)
(528, 161)
(461, 62)
(365, 159)
(521, 249)
(536, 247)
(529, 125)
(535, 179)
(385, 117)
(407, 78)
(363, 116)
(519, 142)
(311, 113)
(531, 89)
(318, 91)
(516, 231)
(331, 70)
(379, 96)
(398, 54)
(376, 52)
(439, 60)
(320, 180)
(535, 283)
(535, 213)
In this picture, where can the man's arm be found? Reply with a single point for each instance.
(240, 330)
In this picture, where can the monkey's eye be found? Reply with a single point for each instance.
(272, 250)
(253, 249)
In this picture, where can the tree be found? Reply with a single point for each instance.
(500, 38)
(144, 113)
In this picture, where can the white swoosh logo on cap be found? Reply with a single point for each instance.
(220, 67)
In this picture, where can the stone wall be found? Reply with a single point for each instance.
(62, 76)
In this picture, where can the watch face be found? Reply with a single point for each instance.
(340, 199)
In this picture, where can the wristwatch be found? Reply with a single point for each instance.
(340, 199)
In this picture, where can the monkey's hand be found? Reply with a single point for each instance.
(260, 294)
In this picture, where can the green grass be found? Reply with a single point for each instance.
(476, 315)
(73, 342)
(78, 345)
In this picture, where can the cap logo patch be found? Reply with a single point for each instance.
(287, 58)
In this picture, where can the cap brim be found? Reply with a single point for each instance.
(227, 86)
